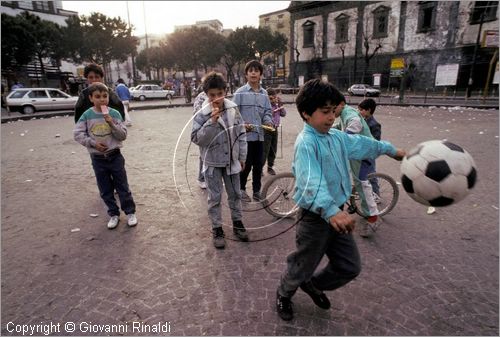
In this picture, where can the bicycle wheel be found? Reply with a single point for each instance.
(387, 197)
(277, 193)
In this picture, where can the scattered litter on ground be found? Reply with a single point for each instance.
(75, 230)
(58, 135)
(94, 215)
(431, 210)
(28, 180)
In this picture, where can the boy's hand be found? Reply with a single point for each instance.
(108, 119)
(215, 113)
(342, 222)
(101, 147)
(400, 154)
(242, 165)
(249, 127)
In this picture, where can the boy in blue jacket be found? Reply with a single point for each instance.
(323, 185)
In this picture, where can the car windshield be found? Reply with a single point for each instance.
(18, 93)
(368, 86)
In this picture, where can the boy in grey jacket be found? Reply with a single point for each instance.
(219, 131)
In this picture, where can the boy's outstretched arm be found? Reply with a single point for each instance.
(400, 154)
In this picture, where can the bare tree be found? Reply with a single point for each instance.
(367, 55)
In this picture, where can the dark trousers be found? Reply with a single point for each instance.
(254, 163)
(270, 147)
(111, 175)
(315, 238)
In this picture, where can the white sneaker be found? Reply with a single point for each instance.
(377, 198)
(132, 220)
(128, 123)
(365, 230)
(113, 222)
(202, 184)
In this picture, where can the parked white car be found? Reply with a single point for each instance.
(145, 91)
(363, 90)
(31, 100)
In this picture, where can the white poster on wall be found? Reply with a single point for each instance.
(447, 74)
(301, 81)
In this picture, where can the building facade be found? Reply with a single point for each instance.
(379, 42)
(279, 21)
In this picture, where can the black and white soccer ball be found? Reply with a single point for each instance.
(438, 173)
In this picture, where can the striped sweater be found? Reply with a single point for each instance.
(92, 128)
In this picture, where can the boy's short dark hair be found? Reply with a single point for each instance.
(97, 86)
(93, 67)
(271, 92)
(254, 64)
(368, 104)
(315, 94)
(214, 80)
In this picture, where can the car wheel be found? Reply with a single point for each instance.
(28, 110)
(169, 97)
(142, 98)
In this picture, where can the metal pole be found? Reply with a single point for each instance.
(133, 59)
(281, 140)
(148, 75)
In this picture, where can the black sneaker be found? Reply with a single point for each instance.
(319, 298)
(284, 307)
(240, 231)
(218, 238)
(271, 171)
(257, 196)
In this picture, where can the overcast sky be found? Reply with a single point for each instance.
(162, 16)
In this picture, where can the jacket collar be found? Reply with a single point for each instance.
(309, 129)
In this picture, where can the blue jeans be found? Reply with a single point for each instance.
(315, 238)
(110, 175)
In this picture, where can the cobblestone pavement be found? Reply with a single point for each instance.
(422, 274)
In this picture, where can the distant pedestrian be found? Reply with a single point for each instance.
(219, 131)
(95, 73)
(188, 91)
(124, 94)
(101, 130)
(17, 85)
(255, 107)
(271, 136)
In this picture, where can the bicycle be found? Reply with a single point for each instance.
(278, 192)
